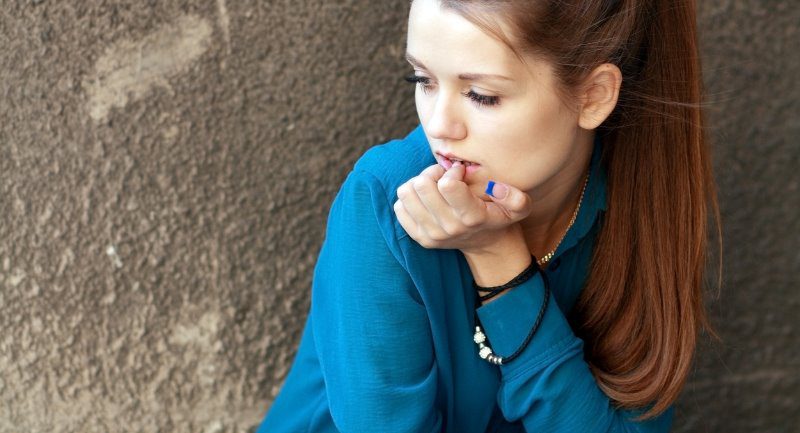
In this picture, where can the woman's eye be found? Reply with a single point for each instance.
(481, 100)
(424, 82)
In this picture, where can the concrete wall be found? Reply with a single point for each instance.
(166, 169)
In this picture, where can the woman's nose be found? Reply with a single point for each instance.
(445, 122)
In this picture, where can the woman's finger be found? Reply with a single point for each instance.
(409, 225)
(469, 209)
(508, 204)
(428, 224)
(435, 172)
(428, 191)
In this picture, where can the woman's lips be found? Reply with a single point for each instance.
(447, 164)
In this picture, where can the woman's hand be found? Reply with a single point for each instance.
(437, 209)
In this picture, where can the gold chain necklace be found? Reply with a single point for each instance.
(546, 258)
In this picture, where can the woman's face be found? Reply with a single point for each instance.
(478, 102)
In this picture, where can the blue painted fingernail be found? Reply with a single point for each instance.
(490, 187)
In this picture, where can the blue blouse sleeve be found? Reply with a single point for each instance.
(549, 387)
(369, 327)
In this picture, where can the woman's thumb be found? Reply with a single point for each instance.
(515, 203)
(497, 190)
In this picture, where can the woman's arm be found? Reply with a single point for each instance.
(371, 332)
(549, 387)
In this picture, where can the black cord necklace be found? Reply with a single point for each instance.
(484, 351)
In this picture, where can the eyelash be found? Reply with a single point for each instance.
(479, 99)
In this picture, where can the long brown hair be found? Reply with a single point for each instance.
(641, 309)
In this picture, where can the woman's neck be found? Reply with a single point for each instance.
(554, 204)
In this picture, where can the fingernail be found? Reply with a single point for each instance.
(496, 190)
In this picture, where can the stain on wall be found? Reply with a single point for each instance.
(166, 169)
(128, 69)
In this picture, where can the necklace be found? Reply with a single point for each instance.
(546, 258)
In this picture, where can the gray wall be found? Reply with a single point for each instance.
(166, 169)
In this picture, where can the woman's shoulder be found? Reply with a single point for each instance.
(372, 184)
(394, 162)
(365, 202)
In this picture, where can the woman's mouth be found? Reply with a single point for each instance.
(447, 163)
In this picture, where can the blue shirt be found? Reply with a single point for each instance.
(388, 342)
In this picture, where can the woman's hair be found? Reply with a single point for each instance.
(641, 309)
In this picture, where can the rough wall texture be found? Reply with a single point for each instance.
(166, 169)
(752, 381)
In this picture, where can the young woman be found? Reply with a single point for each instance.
(531, 256)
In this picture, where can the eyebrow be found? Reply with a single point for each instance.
(465, 77)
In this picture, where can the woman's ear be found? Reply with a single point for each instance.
(601, 91)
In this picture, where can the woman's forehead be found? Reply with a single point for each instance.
(446, 42)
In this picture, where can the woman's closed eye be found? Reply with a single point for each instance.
(480, 100)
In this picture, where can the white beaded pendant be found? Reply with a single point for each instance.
(484, 351)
